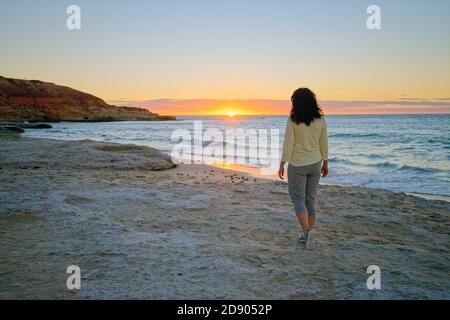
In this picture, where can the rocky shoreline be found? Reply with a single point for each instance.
(141, 228)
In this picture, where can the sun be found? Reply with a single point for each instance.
(230, 111)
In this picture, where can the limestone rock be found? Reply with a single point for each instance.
(34, 100)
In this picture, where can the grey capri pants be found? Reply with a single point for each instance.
(303, 182)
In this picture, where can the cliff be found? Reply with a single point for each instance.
(34, 100)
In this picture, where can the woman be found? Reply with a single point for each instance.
(306, 149)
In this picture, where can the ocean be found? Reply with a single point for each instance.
(402, 153)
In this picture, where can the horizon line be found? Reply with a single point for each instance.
(328, 114)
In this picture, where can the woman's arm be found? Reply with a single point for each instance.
(288, 147)
(324, 169)
(281, 170)
(323, 142)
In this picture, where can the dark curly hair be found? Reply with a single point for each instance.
(305, 107)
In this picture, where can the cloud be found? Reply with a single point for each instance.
(365, 104)
(424, 99)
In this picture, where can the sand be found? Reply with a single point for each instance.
(201, 232)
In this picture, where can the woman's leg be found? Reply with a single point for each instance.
(297, 190)
(311, 221)
(303, 220)
(312, 183)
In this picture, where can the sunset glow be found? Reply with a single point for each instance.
(233, 108)
(248, 67)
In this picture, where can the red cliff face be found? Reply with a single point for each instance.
(34, 100)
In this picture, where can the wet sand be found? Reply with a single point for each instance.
(201, 232)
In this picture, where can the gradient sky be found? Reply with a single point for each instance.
(142, 50)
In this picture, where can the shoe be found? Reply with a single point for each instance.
(301, 239)
(309, 238)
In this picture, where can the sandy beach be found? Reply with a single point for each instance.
(139, 227)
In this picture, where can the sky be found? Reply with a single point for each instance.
(244, 56)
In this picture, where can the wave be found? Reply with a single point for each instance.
(419, 169)
(376, 156)
(439, 140)
(235, 144)
(344, 161)
(385, 165)
(357, 135)
(406, 168)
